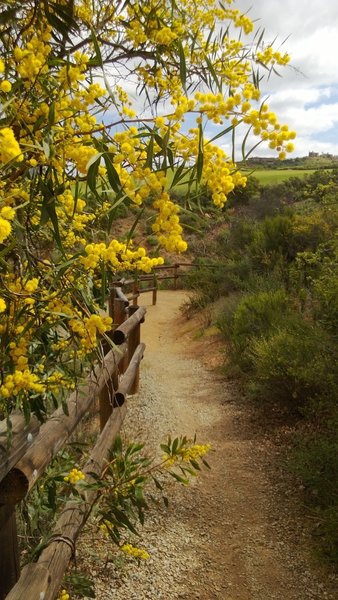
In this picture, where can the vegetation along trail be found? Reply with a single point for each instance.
(234, 533)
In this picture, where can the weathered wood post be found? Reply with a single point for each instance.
(22, 435)
(117, 311)
(175, 275)
(9, 551)
(154, 289)
(133, 342)
(120, 315)
(106, 396)
(135, 292)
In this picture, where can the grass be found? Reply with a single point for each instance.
(264, 176)
(275, 176)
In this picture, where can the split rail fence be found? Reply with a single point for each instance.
(149, 283)
(34, 445)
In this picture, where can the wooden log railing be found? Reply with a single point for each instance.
(30, 448)
(133, 287)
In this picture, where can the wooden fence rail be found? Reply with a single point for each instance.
(133, 287)
(32, 448)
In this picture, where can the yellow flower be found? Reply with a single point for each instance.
(2, 305)
(135, 552)
(9, 147)
(63, 595)
(5, 229)
(74, 476)
(5, 86)
(7, 212)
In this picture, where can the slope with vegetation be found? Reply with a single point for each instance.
(275, 266)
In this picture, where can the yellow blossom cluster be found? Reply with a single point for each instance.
(186, 454)
(167, 224)
(271, 57)
(119, 256)
(89, 328)
(81, 155)
(5, 85)
(20, 381)
(72, 218)
(32, 58)
(63, 595)
(135, 552)
(9, 147)
(74, 476)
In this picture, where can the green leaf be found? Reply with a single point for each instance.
(178, 478)
(112, 174)
(48, 210)
(132, 229)
(178, 175)
(92, 175)
(200, 156)
(213, 73)
(195, 465)
(221, 134)
(183, 65)
(150, 152)
(157, 483)
(98, 56)
(123, 520)
(117, 446)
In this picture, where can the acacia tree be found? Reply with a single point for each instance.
(75, 146)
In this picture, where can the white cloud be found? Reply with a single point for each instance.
(301, 96)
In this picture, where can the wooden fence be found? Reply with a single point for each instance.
(132, 288)
(33, 447)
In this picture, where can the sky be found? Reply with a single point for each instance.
(306, 96)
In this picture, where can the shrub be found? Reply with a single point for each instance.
(315, 460)
(256, 315)
(296, 364)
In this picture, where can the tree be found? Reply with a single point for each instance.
(74, 147)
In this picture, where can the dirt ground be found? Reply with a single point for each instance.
(238, 532)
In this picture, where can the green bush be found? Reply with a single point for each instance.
(257, 315)
(315, 460)
(297, 364)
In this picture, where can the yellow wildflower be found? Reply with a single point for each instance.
(9, 147)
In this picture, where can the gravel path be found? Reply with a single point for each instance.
(236, 532)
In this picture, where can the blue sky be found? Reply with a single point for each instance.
(306, 96)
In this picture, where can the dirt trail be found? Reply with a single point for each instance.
(233, 534)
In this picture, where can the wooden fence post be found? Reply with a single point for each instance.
(154, 289)
(135, 292)
(175, 275)
(133, 341)
(9, 551)
(106, 397)
(120, 316)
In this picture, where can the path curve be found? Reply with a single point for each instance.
(230, 535)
